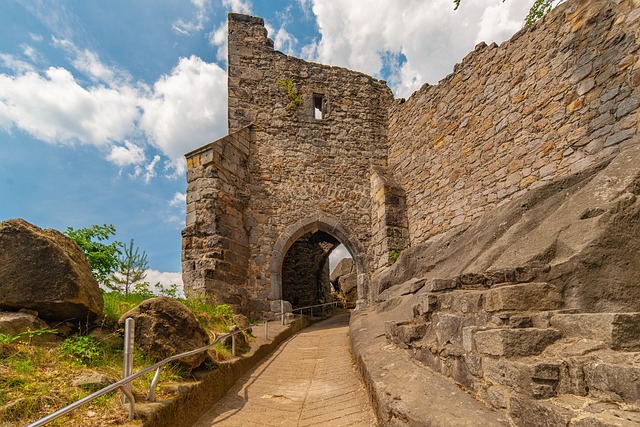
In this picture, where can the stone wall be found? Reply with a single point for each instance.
(215, 246)
(321, 148)
(555, 99)
(302, 167)
(317, 132)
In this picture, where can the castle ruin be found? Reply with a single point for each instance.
(319, 155)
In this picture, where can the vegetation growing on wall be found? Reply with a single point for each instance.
(295, 97)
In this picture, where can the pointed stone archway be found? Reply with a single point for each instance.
(314, 224)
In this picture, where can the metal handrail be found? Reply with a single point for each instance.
(311, 307)
(127, 380)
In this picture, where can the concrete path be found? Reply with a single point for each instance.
(308, 381)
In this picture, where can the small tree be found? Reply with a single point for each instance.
(102, 257)
(132, 268)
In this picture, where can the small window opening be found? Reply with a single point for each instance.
(318, 106)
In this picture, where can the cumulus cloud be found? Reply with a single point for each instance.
(184, 110)
(187, 109)
(282, 39)
(129, 154)
(430, 36)
(55, 108)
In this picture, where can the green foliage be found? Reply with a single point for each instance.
(116, 304)
(102, 256)
(294, 96)
(29, 334)
(539, 9)
(83, 349)
(131, 270)
(394, 254)
(170, 291)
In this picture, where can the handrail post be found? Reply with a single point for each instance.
(233, 345)
(129, 343)
(282, 310)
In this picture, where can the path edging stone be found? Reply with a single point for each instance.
(195, 399)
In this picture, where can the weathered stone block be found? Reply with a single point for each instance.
(514, 342)
(404, 333)
(532, 413)
(435, 285)
(525, 296)
(616, 382)
(427, 304)
(617, 330)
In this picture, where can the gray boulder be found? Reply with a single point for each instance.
(165, 327)
(45, 271)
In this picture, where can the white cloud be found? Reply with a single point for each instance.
(282, 39)
(337, 255)
(431, 35)
(238, 6)
(55, 108)
(179, 200)
(166, 279)
(218, 38)
(148, 172)
(188, 108)
(29, 51)
(197, 22)
(36, 37)
(129, 154)
(15, 64)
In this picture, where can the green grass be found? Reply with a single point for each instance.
(35, 380)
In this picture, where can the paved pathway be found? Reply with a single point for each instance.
(308, 381)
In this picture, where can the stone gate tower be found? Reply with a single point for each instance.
(302, 170)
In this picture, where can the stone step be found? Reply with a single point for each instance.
(620, 331)
(533, 296)
(514, 342)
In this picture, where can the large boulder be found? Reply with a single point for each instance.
(166, 327)
(45, 271)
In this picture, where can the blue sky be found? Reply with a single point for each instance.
(99, 100)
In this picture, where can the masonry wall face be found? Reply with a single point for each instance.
(555, 99)
(383, 174)
(300, 167)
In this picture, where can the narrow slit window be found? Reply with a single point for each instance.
(318, 106)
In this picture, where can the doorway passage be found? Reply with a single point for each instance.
(305, 270)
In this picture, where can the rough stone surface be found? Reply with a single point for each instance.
(477, 211)
(12, 323)
(508, 120)
(617, 330)
(92, 382)
(165, 327)
(45, 271)
(528, 296)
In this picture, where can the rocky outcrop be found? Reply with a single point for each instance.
(165, 327)
(344, 279)
(45, 271)
(539, 316)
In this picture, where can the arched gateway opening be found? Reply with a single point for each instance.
(300, 263)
